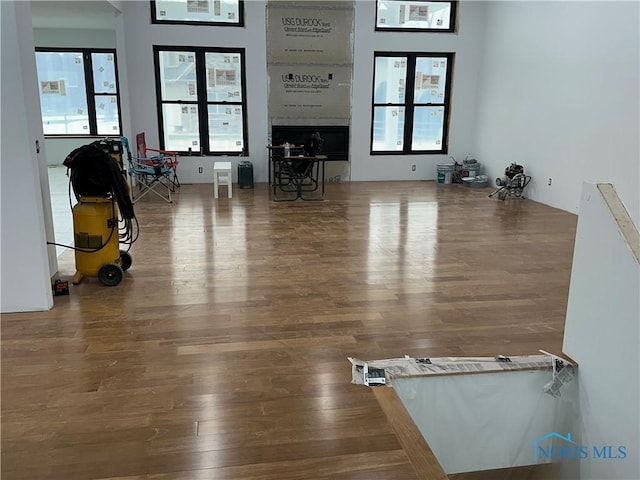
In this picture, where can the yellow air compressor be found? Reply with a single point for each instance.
(95, 227)
(100, 188)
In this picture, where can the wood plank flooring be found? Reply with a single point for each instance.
(223, 353)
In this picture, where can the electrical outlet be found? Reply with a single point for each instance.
(199, 169)
(549, 181)
(413, 168)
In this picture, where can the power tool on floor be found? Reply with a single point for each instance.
(513, 182)
(102, 192)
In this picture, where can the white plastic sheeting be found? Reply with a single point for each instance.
(487, 413)
(492, 420)
(417, 367)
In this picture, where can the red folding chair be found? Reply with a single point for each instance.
(168, 158)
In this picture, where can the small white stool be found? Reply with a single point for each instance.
(221, 171)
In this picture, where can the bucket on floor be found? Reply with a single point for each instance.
(473, 169)
(445, 173)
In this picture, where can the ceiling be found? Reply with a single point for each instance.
(96, 15)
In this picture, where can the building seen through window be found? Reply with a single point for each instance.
(411, 96)
(78, 92)
(201, 100)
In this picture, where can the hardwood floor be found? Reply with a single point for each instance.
(223, 353)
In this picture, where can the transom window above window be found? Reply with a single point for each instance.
(201, 100)
(415, 15)
(411, 93)
(198, 12)
(78, 92)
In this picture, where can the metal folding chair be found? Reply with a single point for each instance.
(151, 155)
(148, 175)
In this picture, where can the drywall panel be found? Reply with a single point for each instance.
(465, 43)
(139, 38)
(123, 76)
(25, 259)
(74, 38)
(602, 334)
(59, 148)
(559, 87)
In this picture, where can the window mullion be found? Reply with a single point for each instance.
(159, 98)
(203, 108)
(117, 80)
(408, 100)
(91, 101)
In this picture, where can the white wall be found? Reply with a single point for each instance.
(602, 332)
(139, 38)
(559, 85)
(123, 74)
(467, 46)
(74, 38)
(550, 85)
(26, 268)
(141, 35)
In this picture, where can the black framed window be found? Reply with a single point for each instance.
(229, 13)
(415, 15)
(79, 93)
(201, 98)
(410, 107)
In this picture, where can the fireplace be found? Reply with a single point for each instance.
(336, 138)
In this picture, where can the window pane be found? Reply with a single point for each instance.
(431, 76)
(225, 11)
(104, 72)
(223, 77)
(181, 127)
(428, 128)
(63, 97)
(388, 129)
(225, 128)
(178, 76)
(416, 14)
(107, 115)
(390, 78)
